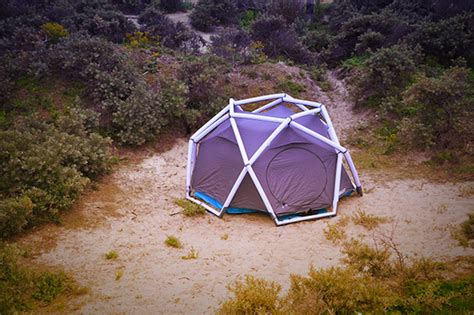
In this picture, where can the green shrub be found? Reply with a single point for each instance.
(387, 72)
(446, 39)
(444, 109)
(280, 40)
(206, 80)
(210, 13)
(44, 167)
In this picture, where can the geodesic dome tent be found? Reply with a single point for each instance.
(283, 158)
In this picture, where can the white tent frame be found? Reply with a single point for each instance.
(307, 108)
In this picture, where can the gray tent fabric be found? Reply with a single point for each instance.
(295, 173)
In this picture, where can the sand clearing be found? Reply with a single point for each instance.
(156, 279)
(130, 213)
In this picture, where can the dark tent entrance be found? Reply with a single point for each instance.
(283, 158)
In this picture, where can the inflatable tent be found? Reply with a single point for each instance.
(282, 158)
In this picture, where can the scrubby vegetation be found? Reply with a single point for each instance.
(23, 289)
(375, 278)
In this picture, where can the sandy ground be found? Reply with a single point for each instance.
(130, 213)
(156, 279)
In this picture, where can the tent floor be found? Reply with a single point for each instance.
(216, 204)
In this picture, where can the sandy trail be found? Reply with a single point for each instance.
(130, 213)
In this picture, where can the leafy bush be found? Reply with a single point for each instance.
(290, 10)
(233, 45)
(443, 109)
(210, 13)
(280, 39)
(45, 168)
(130, 109)
(447, 39)
(172, 35)
(387, 72)
(105, 23)
(205, 78)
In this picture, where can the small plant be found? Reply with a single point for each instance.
(225, 237)
(118, 274)
(190, 209)
(368, 221)
(441, 209)
(50, 285)
(173, 241)
(466, 191)
(335, 232)
(291, 87)
(464, 234)
(193, 254)
(112, 255)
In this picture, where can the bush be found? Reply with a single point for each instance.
(171, 6)
(99, 22)
(280, 40)
(336, 291)
(447, 39)
(387, 72)
(233, 45)
(252, 296)
(444, 109)
(130, 109)
(172, 35)
(290, 10)
(210, 13)
(205, 78)
(44, 169)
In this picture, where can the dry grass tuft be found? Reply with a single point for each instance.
(368, 221)
(190, 209)
(193, 254)
(173, 241)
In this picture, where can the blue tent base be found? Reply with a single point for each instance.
(216, 204)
